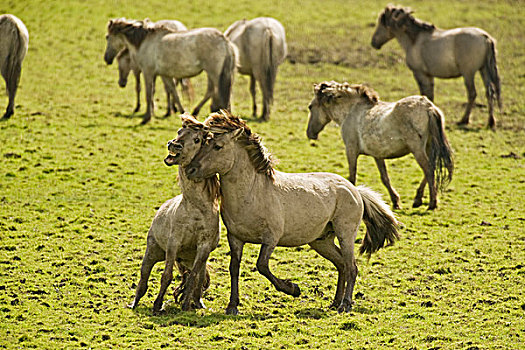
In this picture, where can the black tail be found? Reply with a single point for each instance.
(494, 85)
(270, 68)
(226, 78)
(440, 152)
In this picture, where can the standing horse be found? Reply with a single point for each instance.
(385, 130)
(14, 40)
(158, 51)
(261, 43)
(433, 52)
(186, 228)
(127, 65)
(264, 206)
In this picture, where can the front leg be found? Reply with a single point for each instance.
(351, 156)
(137, 90)
(264, 269)
(203, 251)
(236, 247)
(150, 87)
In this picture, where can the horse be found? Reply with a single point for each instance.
(264, 206)
(127, 65)
(159, 51)
(14, 41)
(186, 228)
(433, 52)
(385, 130)
(261, 43)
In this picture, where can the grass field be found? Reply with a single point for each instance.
(80, 182)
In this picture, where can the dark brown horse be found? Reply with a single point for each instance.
(433, 52)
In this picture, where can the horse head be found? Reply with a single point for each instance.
(190, 138)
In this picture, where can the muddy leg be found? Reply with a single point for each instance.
(264, 269)
(418, 200)
(424, 163)
(203, 251)
(154, 254)
(150, 86)
(236, 247)
(394, 196)
(253, 92)
(167, 277)
(137, 90)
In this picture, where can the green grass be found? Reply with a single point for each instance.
(80, 183)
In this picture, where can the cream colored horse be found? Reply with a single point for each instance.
(385, 130)
(159, 51)
(14, 40)
(186, 228)
(433, 52)
(261, 43)
(264, 206)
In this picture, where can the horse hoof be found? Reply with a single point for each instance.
(432, 206)
(133, 305)
(417, 203)
(232, 310)
(345, 306)
(145, 121)
(295, 290)
(7, 115)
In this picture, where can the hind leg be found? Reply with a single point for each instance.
(192, 283)
(12, 86)
(471, 92)
(489, 92)
(253, 92)
(154, 253)
(328, 250)
(394, 196)
(418, 200)
(424, 163)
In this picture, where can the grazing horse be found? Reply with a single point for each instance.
(264, 206)
(433, 52)
(385, 130)
(127, 65)
(262, 48)
(186, 228)
(159, 51)
(14, 40)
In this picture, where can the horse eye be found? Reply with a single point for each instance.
(217, 147)
(196, 140)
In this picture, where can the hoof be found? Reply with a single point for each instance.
(133, 305)
(417, 203)
(136, 109)
(345, 306)
(145, 120)
(7, 115)
(293, 289)
(232, 310)
(432, 205)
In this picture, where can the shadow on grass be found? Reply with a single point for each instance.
(415, 212)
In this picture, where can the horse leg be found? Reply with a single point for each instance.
(203, 251)
(167, 275)
(346, 231)
(236, 247)
(199, 289)
(424, 163)
(11, 86)
(426, 84)
(169, 85)
(418, 200)
(490, 98)
(264, 269)
(207, 96)
(150, 91)
(153, 254)
(328, 250)
(253, 92)
(137, 90)
(471, 91)
(394, 196)
(351, 156)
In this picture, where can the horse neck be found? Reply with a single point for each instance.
(403, 39)
(342, 111)
(196, 192)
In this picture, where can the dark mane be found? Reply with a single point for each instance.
(259, 156)
(135, 31)
(329, 91)
(398, 17)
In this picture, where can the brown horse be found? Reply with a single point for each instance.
(433, 52)
(14, 40)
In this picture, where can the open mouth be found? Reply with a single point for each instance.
(172, 158)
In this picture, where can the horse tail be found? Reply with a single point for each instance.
(226, 76)
(269, 67)
(12, 66)
(381, 223)
(494, 85)
(440, 152)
